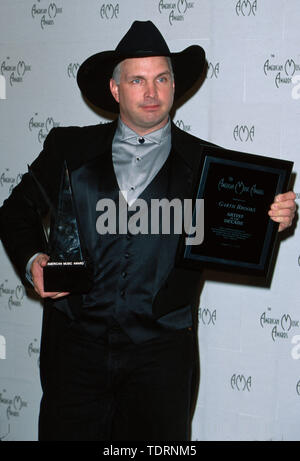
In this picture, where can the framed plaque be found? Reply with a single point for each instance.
(237, 190)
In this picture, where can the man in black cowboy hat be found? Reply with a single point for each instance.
(119, 362)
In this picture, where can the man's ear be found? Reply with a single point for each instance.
(114, 88)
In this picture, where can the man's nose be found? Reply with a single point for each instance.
(151, 90)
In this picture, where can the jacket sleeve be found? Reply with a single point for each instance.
(21, 214)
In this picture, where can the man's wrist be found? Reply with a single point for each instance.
(28, 268)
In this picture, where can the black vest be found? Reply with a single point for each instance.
(128, 269)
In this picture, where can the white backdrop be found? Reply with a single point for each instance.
(248, 335)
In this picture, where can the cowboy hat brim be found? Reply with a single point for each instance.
(94, 74)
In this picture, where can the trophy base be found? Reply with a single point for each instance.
(73, 277)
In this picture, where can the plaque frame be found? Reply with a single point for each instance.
(235, 247)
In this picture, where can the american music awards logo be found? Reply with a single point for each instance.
(109, 11)
(45, 12)
(279, 327)
(72, 69)
(182, 125)
(281, 72)
(14, 72)
(207, 317)
(243, 133)
(13, 295)
(9, 180)
(176, 10)
(246, 7)
(213, 70)
(240, 382)
(34, 350)
(41, 127)
(14, 405)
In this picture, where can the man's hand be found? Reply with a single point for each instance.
(38, 279)
(283, 210)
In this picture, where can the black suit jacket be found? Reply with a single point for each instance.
(82, 148)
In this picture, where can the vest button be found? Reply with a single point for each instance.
(126, 255)
(123, 293)
(124, 274)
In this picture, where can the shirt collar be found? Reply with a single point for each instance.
(124, 133)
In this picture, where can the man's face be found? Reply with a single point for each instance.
(145, 93)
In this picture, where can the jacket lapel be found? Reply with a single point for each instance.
(185, 161)
(90, 181)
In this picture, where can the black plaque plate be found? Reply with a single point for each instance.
(237, 189)
(67, 276)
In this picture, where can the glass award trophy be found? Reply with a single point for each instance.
(67, 269)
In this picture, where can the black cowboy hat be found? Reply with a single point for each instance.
(142, 40)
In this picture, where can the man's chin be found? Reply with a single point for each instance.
(146, 124)
(153, 122)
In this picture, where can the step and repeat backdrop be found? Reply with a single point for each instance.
(249, 334)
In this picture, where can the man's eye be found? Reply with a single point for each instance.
(162, 79)
(136, 80)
